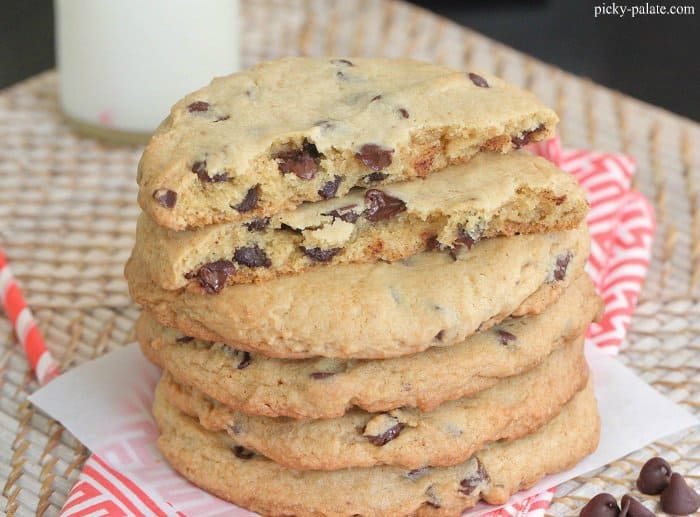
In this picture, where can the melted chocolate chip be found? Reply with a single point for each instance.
(388, 435)
(654, 476)
(250, 200)
(166, 198)
(505, 337)
(319, 254)
(376, 176)
(258, 224)
(469, 484)
(440, 335)
(212, 277)
(561, 266)
(417, 473)
(465, 239)
(184, 339)
(304, 162)
(321, 375)
(633, 508)
(252, 256)
(678, 498)
(602, 505)
(374, 156)
(432, 243)
(381, 206)
(245, 361)
(526, 137)
(198, 106)
(329, 188)
(403, 113)
(242, 452)
(344, 62)
(200, 169)
(478, 80)
(375, 98)
(344, 213)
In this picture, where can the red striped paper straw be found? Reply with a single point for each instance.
(25, 325)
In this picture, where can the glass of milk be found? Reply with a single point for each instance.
(123, 63)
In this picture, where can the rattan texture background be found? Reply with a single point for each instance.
(68, 211)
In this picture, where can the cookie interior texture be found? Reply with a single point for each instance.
(327, 388)
(376, 310)
(492, 195)
(215, 462)
(249, 145)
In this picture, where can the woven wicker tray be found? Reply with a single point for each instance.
(67, 215)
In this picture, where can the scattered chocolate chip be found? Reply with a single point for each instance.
(329, 188)
(219, 177)
(184, 339)
(561, 266)
(304, 162)
(440, 335)
(242, 452)
(221, 119)
(478, 80)
(342, 62)
(258, 224)
(319, 254)
(526, 137)
(465, 239)
(375, 98)
(376, 176)
(198, 106)
(417, 473)
(344, 213)
(633, 508)
(602, 505)
(321, 375)
(374, 156)
(432, 243)
(386, 436)
(213, 276)
(200, 169)
(250, 200)
(469, 484)
(678, 498)
(505, 337)
(165, 197)
(252, 256)
(403, 112)
(654, 476)
(381, 206)
(245, 361)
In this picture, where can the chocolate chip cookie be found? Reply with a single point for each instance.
(264, 140)
(217, 463)
(491, 195)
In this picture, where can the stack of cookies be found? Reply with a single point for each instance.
(365, 299)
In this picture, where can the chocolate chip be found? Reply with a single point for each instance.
(213, 276)
(344, 62)
(321, 375)
(388, 435)
(245, 361)
(633, 508)
(602, 505)
(417, 473)
(654, 476)
(376, 176)
(250, 200)
(678, 498)
(403, 112)
(375, 98)
(200, 169)
(344, 213)
(258, 224)
(221, 119)
(559, 200)
(198, 106)
(304, 162)
(465, 239)
(432, 243)
(381, 206)
(319, 254)
(469, 484)
(184, 339)
(374, 156)
(440, 335)
(478, 80)
(165, 197)
(505, 337)
(252, 256)
(329, 188)
(243, 453)
(561, 266)
(526, 137)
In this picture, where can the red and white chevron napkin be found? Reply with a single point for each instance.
(622, 226)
